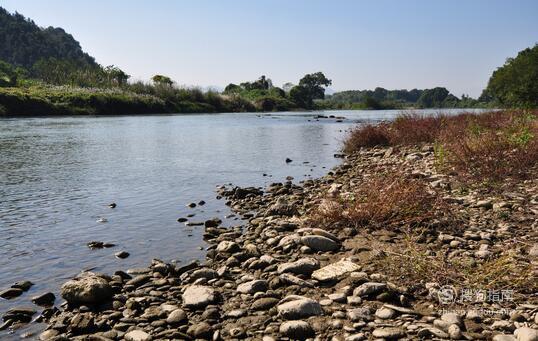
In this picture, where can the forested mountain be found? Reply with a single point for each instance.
(23, 43)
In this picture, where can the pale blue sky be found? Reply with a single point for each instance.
(358, 44)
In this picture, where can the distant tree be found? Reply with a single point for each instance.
(277, 92)
(162, 80)
(232, 88)
(261, 83)
(311, 87)
(515, 84)
(299, 95)
(8, 75)
(115, 76)
(380, 94)
(433, 98)
(372, 103)
(287, 86)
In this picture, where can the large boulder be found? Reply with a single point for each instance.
(87, 289)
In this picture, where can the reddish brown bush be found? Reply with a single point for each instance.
(493, 146)
(383, 201)
(486, 146)
(368, 135)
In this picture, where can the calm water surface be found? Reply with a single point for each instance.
(58, 175)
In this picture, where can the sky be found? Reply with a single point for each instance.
(358, 44)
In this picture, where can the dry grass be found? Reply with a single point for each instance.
(488, 146)
(387, 201)
(493, 146)
(412, 263)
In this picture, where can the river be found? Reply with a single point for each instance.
(58, 175)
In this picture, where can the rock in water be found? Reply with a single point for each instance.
(122, 254)
(11, 293)
(199, 296)
(46, 299)
(19, 314)
(336, 270)
(23, 285)
(88, 289)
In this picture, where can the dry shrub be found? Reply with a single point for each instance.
(411, 263)
(382, 201)
(487, 146)
(493, 146)
(368, 135)
(415, 129)
(404, 130)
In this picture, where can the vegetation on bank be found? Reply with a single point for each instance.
(489, 146)
(474, 155)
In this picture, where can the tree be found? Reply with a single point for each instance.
(116, 76)
(515, 83)
(372, 103)
(8, 75)
(311, 87)
(433, 98)
(232, 88)
(162, 80)
(287, 86)
(261, 83)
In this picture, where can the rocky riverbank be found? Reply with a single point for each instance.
(467, 270)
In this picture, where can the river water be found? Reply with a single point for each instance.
(58, 175)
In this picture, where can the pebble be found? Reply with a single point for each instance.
(296, 307)
(137, 335)
(388, 333)
(297, 330)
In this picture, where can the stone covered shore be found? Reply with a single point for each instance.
(276, 277)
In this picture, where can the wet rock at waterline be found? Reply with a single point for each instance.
(86, 289)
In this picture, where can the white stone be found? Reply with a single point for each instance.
(335, 270)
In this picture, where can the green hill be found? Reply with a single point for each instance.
(24, 43)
